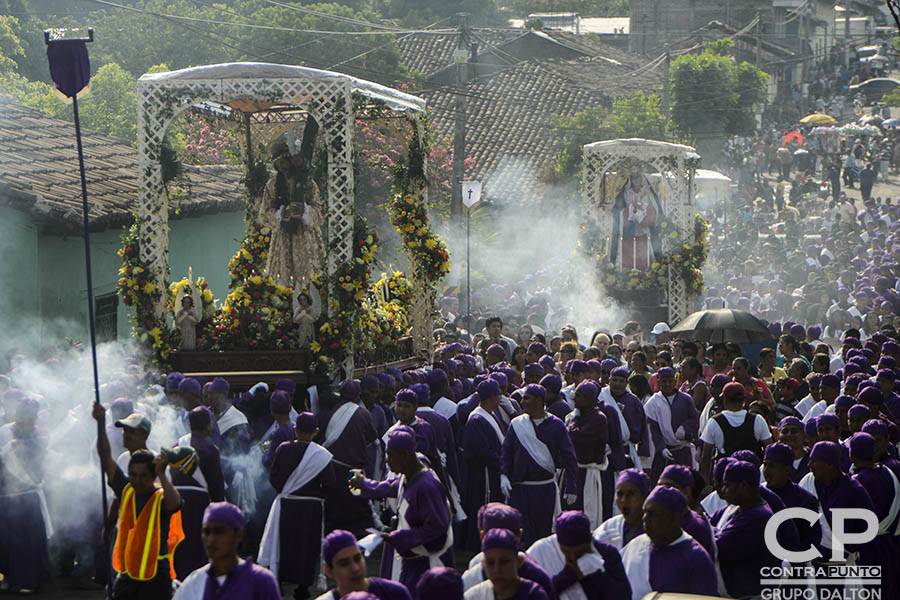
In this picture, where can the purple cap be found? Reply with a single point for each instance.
(666, 373)
(620, 372)
(533, 370)
(422, 392)
(121, 408)
(679, 474)
(809, 428)
(828, 419)
(536, 391)
(573, 528)
(826, 452)
(547, 362)
(306, 422)
(797, 330)
(720, 466)
(885, 375)
(336, 541)
(406, 395)
(814, 331)
(780, 453)
(386, 379)
(741, 470)
(746, 456)
(719, 380)
(401, 440)
(830, 381)
(488, 389)
(859, 410)
(637, 478)
(552, 383)
(172, 381)
(588, 389)
(579, 367)
(814, 380)
(440, 583)
(199, 418)
(224, 512)
(220, 386)
(499, 538)
(500, 378)
(370, 382)
(496, 514)
(862, 446)
(350, 390)
(496, 350)
(191, 386)
(537, 348)
(871, 395)
(875, 427)
(287, 385)
(608, 364)
(669, 498)
(280, 402)
(790, 422)
(844, 401)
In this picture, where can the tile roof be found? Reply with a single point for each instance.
(510, 115)
(39, 173)
(430, 53)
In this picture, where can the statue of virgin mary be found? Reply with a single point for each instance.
(637, 210)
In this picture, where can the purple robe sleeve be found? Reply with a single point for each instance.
(379, 489)
(211, 467)
(609, 584)
(616, 442)
(564, 455)
(478, 446)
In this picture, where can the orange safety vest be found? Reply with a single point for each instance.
(137, 545)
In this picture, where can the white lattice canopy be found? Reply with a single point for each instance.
(260, 89)
(669, 165)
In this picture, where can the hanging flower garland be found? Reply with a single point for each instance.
(141, 294)
(685, 260)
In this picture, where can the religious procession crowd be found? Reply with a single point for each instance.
(590, 472)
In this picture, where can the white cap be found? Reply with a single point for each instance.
(620, 334)
(659, 328)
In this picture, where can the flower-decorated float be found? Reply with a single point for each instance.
(302, 301)
(640, 229)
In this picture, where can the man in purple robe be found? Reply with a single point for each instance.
(206, 485)
(227, 576)
(501, 560)
(370, 393)
(496, 515)
(24, 558)
(637, 438)
(445, 447)
(694, 524)
(578, 564)
(589, 432)
(665, 558)
(347, 432)
(280, 407)
(882, 486)
(481, 448)
(777, 468)
(674, 421)
(302, 474)
(536, 445)
(233, 426)
(405, 411)
(438, 384)
(790, 433)
(615, 440)
(632, 487)
(879, 430)
(346, 565)
(424, 536)
(740, 542)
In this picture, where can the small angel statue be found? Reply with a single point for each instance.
(188, 316)
(307, 308)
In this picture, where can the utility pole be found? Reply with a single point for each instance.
(665, 98)
(846, 34)
(758, 36)
(460, 116)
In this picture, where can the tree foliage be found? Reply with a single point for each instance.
(634, 116)
(712, 95)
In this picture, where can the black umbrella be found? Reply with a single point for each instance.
(722, 325)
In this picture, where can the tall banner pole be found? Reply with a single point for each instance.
(471, 195)
(71, 72)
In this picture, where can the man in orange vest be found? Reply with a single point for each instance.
(149, 524)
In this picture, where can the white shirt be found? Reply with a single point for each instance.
(713, 435)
